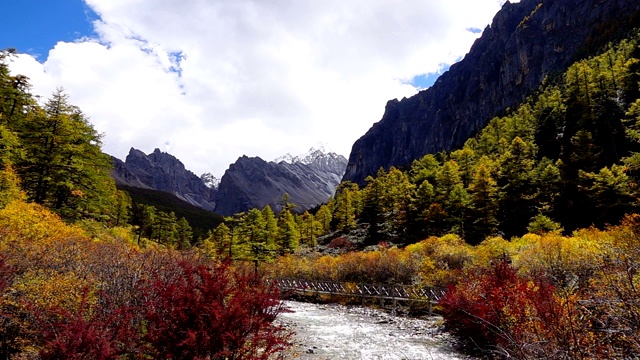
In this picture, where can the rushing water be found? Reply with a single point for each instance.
(333, 331)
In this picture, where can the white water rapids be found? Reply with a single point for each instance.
(331, 331)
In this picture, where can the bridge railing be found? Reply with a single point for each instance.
(385, 291)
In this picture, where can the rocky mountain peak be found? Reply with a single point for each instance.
(315, 156)
(210, 180)
(288, 158)
(310, 179)
(162, 171)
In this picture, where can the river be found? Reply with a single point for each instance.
(332, 331)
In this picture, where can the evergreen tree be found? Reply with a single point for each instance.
(517, 187)
(253, 240)
(271, 227)
(457, 207)
(143, 219)
(309, 229)
(64, 167)
(122, 211)
(164, 228)
(484, 197)
(289, 237)
(612, 193)
(423, 169)
(15, 100)
(397, 200)
(548, 185)
(465, 158)
(344, 212)
(223, 241)
(373, 210)
(426, 218)
(286, 204)
(184, 234)
(323, 216)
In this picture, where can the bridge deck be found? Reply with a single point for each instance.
(362, 291)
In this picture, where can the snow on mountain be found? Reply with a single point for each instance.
(313, 156)
(209, 180)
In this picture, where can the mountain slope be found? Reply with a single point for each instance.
(253, 183)
(527, 42)
(163, 172)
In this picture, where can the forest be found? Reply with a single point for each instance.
(530, 226)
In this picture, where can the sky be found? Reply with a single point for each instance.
(211, 80)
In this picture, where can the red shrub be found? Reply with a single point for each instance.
(7, 274)
(186, 311)
(497, 308)
(88, 334)
(209, 313)
(341, 243)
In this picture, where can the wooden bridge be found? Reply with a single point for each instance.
(394, 293)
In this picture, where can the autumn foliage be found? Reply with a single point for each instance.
(64, 295)
(200, 312)
(542, 295)
(498, 309)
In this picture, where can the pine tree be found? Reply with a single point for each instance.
(164, 229)
(122, 208)
(223, 241)
(289, 237)
(64, 167)
(517, 187)
(184, 234)
(271, 227)
(397, 200)
(465, 158)
(373, 211)
(143, 219)
(253, 242)
(344, 212)
(484, 197)
(323, 216)
(310, 228)
(15, 100)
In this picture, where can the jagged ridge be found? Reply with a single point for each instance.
(163, 172)
(252, 182)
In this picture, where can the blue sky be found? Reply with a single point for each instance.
(35, 26)
(426, 80)
(210, 81)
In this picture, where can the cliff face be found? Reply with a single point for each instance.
(526, 42)
(162, 171)
(251, 182)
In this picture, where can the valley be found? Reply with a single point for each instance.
(512, 182)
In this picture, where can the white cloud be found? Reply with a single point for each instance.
(209, 81)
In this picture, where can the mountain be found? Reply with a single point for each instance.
(526, 43)
(163, 172)
(209, 180)
(252, 182)
(309, 179)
